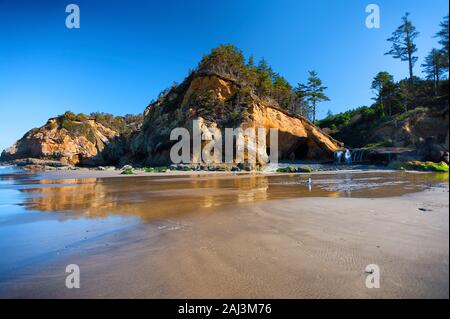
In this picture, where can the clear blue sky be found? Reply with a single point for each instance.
(126, 52)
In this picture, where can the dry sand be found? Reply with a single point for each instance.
(291, 248)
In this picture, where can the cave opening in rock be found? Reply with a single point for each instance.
(297, 151)
(292, 147)
(300, 150)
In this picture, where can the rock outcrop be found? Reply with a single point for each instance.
(70, 139)
(426, 130)
(415, 127)
(420, 134)
(219, 102)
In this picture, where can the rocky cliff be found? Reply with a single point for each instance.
(416, 127)
(426, 130)
(72, 139)
(421, 133)
(220, 102)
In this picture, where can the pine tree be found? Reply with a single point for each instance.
(300, 106)
(443, 40)
(383, 82)
(314, 93)
(403, 46)
(435, 67)
(265, 75)
(282, 91)
(225, 60)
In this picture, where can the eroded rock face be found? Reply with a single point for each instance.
(219, 102)
(427, 131)
(297, 137)
(413, 130)
(71, 142)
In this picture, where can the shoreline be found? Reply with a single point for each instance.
(80, 173)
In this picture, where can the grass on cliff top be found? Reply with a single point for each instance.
(421, 166)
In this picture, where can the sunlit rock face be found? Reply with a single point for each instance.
(216, 101)
(68, 141)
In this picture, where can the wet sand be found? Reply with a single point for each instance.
(249, 237)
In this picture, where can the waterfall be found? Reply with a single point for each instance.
(338, 156)
(343, 156)
(347, 156)
(358, 155)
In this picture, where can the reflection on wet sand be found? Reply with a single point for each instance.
(154, 198)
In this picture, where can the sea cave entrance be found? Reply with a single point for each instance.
(291, 147)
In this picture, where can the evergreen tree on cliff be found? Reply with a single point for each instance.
(384, 84)
(301, 105)
(403, 46)
(314, 92)
(443, 40)
(229, 62)
(265, 75)
(435, 67)
(226, 60)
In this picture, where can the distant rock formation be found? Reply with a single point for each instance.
(71, 139)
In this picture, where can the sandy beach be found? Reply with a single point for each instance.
(247, 245)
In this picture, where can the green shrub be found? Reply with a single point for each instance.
(79, 129)
(305, 169)
(81, 117)
(69, 116)
(127, 171)
(333, 127)
(234, 115)
(160, 169)
(421, 166)
(289, 169)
